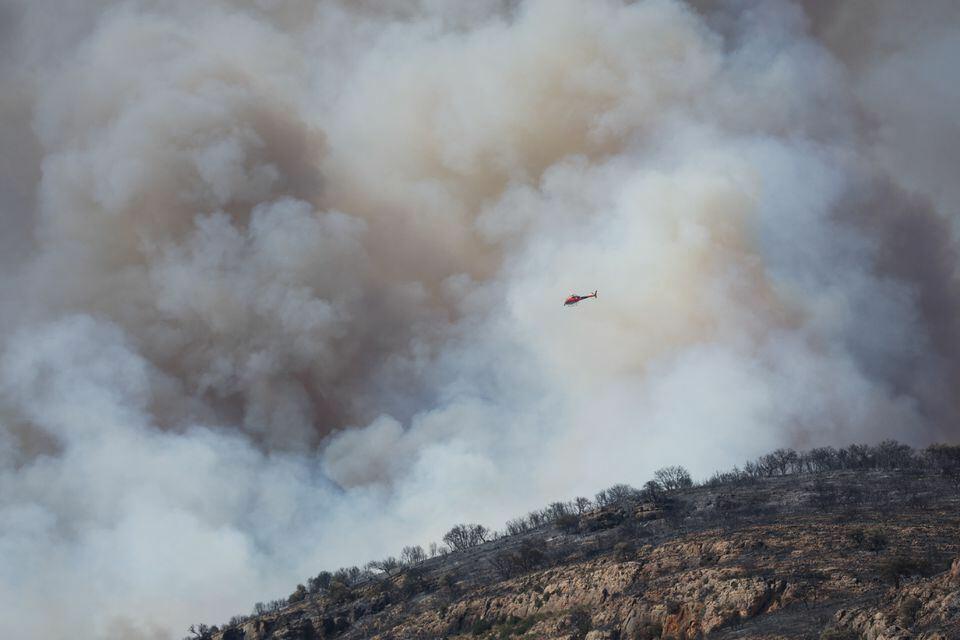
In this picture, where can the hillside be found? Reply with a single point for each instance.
(840, 554)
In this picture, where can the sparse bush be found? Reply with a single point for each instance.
(413, 583)
(581, 621)
(568, 523)
(525, 558)
(624, 551)
(449, 581)
(907, 611)
(383, 585)
(893, 569)
(481, 626)
(299, 595)
(836, 633)
(824, 495)
(340, 592)
(857, 536)
(875, 540)
(648, 630)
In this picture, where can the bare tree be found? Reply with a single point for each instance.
(672, 478)
(387, 565)
(517, 526)
(413, 555)
(781, 460)
(557, 510)
(616, 495)
(823, 459)
(201, 632)
(582, 505)
(465, 536)
(891, 454)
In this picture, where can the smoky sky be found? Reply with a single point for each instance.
(281, 280)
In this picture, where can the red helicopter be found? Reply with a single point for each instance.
(574, 298)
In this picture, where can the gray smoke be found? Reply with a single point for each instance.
(281, 280)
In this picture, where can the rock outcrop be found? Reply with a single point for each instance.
(643, 572)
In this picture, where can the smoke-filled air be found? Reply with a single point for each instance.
(282, 281)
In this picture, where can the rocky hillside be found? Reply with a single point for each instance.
(834, 555)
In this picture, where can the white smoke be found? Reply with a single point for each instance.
(282, 280)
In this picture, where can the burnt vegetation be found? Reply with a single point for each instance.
(841, 484)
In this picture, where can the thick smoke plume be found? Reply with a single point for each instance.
(281, 279)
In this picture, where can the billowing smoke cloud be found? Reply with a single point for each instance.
(282, 279)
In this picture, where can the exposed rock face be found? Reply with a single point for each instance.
(931, 606)
(629, 574)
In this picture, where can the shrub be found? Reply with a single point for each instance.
(624, 551)
(525, 558)
(875, 540)
(648, 630)
(907, 611)
(568, 523)
(413, 583)
(340, 592)
(836, 633)
(320, 582)
(449, 581)
(892, 569)
(857, 536)
(581, 621)
(945, 459)
(299, 595)
(481, 626)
